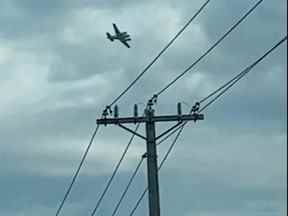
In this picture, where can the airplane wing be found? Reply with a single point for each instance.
(125, 43)
(116, 29)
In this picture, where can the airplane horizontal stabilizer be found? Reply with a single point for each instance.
(109, 36)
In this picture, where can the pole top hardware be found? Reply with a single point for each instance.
(107, 111)
(144, 155)
(195, 108)
(152, 101)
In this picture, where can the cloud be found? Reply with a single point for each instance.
(58, 71)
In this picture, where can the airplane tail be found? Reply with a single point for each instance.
(109, 36)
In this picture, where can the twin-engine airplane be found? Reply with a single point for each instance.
(121, 36)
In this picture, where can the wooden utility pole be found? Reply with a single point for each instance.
(150, 119)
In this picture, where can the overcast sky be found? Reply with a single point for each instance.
(58, 71)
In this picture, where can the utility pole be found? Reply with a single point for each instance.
(150, 119)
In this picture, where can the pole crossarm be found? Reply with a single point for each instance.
(164, 118)
(127, 120)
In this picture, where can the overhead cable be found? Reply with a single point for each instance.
(127, 187)
(210, 49)
(77, 171)
(114, 172)
(239, 76)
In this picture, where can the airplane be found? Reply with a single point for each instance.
(121, 36)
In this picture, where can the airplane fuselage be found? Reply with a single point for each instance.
(121, 36)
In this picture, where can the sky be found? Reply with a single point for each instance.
(58, 71)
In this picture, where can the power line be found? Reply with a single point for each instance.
(172, 145)
(225, 87)
(170, 134)
(138, 201)
(114, 172)
(127, 187)
(230, 83)
(77, 171)
(160, 53)
(211, 48)
(234, 80)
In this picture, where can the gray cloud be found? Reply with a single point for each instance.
(59, 71)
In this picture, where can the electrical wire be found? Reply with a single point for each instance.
(210, 49)
(169, 134)
(160, 53)
(114, 172)
(127, 187)
(229, 84)
(223, 86)
(77, 171)
(239, 76)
